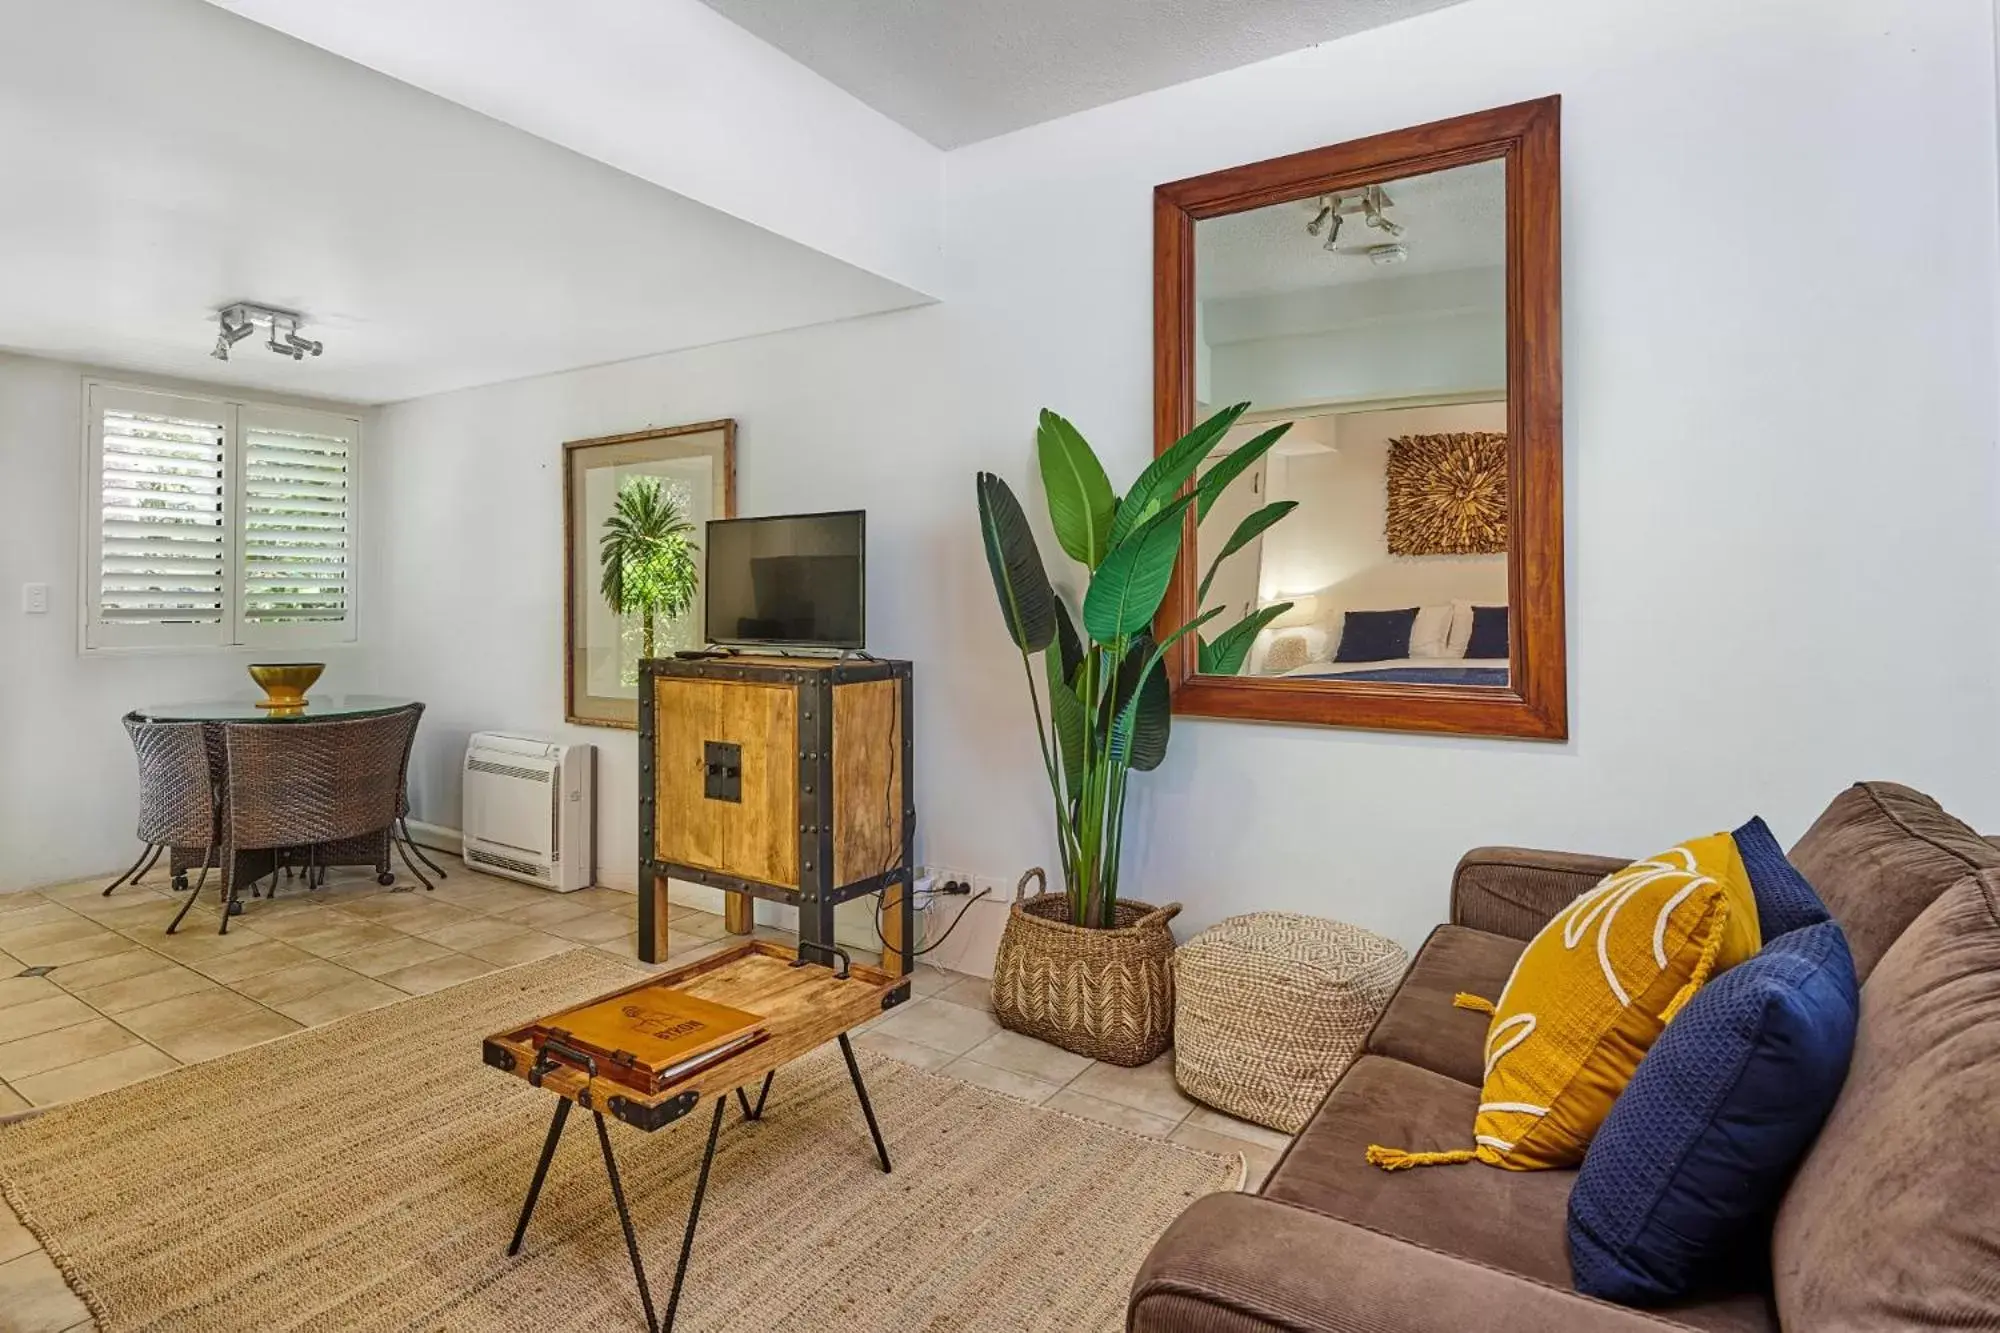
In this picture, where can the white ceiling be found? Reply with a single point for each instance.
(163, 157)
(957, 71)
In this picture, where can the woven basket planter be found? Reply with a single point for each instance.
(1270, 1008)
(1107, 994)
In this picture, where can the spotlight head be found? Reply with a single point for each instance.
(1332, 231)
(221, 352)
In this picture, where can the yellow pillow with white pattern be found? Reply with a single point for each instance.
(1589, 995)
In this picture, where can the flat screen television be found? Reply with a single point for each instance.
(793, 581)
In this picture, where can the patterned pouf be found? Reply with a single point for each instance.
(1270, 1008)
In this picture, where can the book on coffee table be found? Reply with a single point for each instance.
(648, 1036)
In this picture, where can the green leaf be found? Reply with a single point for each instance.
(1123, 727)
(1246, 532)
(1224, 656)
(1216, 480)
(1165, 476)
(1130, 674)
(1066, 710)
(1081, 503)
(1152, 722)
(1022, 585)
(1069, 647)
(1127, 588)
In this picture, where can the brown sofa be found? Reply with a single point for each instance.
(1892, 1222)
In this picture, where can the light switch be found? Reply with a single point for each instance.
(35, 598)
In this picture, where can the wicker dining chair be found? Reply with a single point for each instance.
(176, 797)
(304, 783)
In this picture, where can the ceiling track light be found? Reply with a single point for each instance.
(1371, 205)
(240, 319)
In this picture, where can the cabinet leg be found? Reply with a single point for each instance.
(739, 913)
(898, 928)
(653, 912)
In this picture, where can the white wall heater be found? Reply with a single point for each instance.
(528, 810)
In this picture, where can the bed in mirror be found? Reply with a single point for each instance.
(1395, 301)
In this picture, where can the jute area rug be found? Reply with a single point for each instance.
(367, 1175)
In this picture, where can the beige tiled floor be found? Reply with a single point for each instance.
(121, 1001)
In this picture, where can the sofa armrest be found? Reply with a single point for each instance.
(1240, 1263)
(1514, 891)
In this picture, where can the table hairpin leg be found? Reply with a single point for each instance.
(744, 1101)
(867, 1111)
(694, 1217)
(625, 1218)
(541, 1172)
(653, 1323)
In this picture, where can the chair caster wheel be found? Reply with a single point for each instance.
(386, 878)
(180, 883)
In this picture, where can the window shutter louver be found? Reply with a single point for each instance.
(297, 495)
(164, 556)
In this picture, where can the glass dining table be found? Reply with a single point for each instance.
(317, 708)
(320, 777)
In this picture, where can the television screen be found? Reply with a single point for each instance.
(795, 580)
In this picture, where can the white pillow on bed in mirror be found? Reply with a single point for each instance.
(1290, 649)
(1461, 626)
(1432, 631)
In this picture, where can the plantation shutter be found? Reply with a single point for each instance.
(161, 535)
(297, 503)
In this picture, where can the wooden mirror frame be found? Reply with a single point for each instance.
(1534, 703)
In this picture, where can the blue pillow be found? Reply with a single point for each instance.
(1699, 1147)
(1375, 636)
(1489, 632)
(1785, 901)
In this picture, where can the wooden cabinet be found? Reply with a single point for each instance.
(782, 778)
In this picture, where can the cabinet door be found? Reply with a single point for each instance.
(756, 837)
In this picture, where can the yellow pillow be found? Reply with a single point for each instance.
(1590, 994)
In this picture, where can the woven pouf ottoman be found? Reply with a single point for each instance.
(1271, 1007)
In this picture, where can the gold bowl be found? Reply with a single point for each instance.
(285, 683)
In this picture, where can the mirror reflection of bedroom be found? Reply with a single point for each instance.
(1374, 321)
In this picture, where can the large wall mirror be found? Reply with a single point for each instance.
(1397, 301)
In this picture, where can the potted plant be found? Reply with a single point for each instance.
(1085, 968)
(647, 554)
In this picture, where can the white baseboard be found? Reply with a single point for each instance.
(444, 839)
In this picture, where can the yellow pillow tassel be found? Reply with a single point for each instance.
(1702, 965)
(1467, 1000)
(1395, 1159)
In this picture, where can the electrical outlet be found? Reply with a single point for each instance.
(35, 599)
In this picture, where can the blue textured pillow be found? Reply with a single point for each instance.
(1375, 636)
(1785, 901)
(1489, 632)
(1699, 1147)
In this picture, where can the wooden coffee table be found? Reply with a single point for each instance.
(803, 1005)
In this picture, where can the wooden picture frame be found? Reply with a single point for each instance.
(586, 701)
(1534, 702)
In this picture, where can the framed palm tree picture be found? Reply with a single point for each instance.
(634, 510)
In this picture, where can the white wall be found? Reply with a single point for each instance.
(1780, 437)
(69, 786)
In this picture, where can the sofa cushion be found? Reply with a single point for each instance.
(1684, 1174)
(1511, 1220)
(1785, 902)
(1592, 992)
(1422, 1027)
(1891, 1221)
(1881, 854)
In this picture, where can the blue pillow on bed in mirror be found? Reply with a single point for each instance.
(1489, 632)
(1375, 636)
(1699, 1147)
(1785, 901)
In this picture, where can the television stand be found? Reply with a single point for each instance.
(781, 778)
